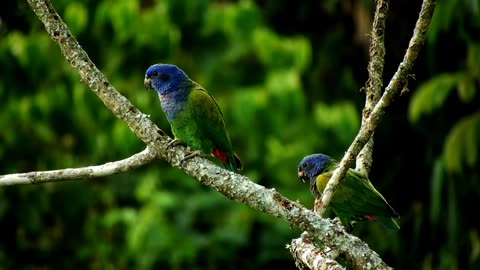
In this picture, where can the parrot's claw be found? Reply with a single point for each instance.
(174, 142)
(193, 154)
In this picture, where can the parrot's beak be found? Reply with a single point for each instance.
(147, 82)
(301, 175)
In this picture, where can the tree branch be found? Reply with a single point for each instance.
(393, 89)
(231, 185)
(374, 83)
(90, 172)
(308, 256)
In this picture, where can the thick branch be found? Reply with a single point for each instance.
(233, 186)
(309, 256)
(241, 189)
(106, 169)
(393, 89)
(374, 83)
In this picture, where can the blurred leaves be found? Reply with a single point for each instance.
(431, 95)
(451, 14)
(462, 144)
(282, 53)
(76, 17)
(341, 119)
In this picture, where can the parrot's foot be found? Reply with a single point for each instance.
(193, 154)
(174, 142)
(196, 153)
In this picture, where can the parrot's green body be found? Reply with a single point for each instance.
(355, 199)
(194, 115)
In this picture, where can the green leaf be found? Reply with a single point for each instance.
(431, 95)
(443, 18)
(475, 244)
(17, 43)
(462, 143)
(466, 88)
(473, 59)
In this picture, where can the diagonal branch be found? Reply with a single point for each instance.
(393, 89)
(110, 168)
(231, 185)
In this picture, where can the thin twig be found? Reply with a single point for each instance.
(110, 168)
(374, 85)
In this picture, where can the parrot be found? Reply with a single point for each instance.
(355, 199)
(193, 114)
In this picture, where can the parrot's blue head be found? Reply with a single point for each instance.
(165, 79)
(311, 166)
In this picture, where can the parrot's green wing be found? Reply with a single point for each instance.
(366, 199)
(207, 113)
(211, 127)
(357, 199)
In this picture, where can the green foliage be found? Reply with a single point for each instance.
(453, 122)
(341, 119)
(473, 59)
(449, 14)
(432, 95)
(462, 144)
(282, 52)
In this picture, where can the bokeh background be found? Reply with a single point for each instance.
(287, 75)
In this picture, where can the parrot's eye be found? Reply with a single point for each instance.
(304, 165)
(155, 73)
(165, 77)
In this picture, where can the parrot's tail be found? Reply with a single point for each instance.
(234, 163)
(388, 223)
(238, 162)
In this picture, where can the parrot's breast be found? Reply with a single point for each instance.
(172, 104)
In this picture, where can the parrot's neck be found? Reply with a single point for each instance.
(173, 102)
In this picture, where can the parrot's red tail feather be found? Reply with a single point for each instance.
(220, 155)
(370, 217)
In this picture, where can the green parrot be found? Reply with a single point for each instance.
(194, 115)
(356, 199)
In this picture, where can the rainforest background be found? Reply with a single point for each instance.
(288, 76)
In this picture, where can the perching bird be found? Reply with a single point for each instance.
(355, 199)
(193, 114)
